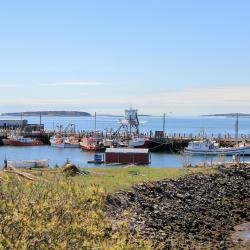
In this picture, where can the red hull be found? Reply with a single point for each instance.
(9, 142)
(92, 148)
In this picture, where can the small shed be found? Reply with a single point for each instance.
(127, 155)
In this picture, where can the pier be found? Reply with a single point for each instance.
(158, 141)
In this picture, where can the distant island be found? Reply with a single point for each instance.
(229, 115)
(48, 113)
(110, 115)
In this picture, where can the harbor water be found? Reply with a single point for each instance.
(174, 125)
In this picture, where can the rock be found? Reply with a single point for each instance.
(71, 169)
(197, 208)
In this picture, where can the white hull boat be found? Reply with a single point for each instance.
(61, 142)
(208, 147)
(138, 142)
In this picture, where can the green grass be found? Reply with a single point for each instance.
(121, 178)
(114, 179)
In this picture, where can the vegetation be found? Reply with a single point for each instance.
(118, 178)
(58, 215)
(53, 211)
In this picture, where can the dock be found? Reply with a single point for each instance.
(171, 143)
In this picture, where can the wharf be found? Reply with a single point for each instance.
(157, 142)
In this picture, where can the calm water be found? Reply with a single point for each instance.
(178, 125)
(187, 125)
(80, 158)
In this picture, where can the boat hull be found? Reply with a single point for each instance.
(93, 149)
(9, 142)
(73, 145)
(227, 151)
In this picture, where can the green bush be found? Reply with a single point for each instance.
(58, 215)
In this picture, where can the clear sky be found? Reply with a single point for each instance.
(186, 57)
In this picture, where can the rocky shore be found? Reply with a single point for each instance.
(197, 211)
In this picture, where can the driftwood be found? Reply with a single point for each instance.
(13, 170)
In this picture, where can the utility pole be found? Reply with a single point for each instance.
(40, 119)
(237, 128)
(95, 123)
(164, 123)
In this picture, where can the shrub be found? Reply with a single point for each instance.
(58, 215)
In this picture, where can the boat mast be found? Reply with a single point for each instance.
(40, 118)
(164, 122)
(237, 128)
(40, 121)
(95, 123)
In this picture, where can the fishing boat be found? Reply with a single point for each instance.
(91, 144)
(21, 141)
(138, 142)
(209, 147)
(71, 142)
(64, 142)
(57, 141)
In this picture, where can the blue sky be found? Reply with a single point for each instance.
(184, 57)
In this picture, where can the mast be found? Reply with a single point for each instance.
(237, 128)
(164, 122)
(40, 120)
(95, 123)
(21, 120)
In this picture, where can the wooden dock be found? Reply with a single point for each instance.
(167, 143)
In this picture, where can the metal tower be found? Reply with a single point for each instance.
(130, 123)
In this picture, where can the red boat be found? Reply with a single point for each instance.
(21, 141)
(91, 144)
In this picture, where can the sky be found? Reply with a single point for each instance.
(184, 57)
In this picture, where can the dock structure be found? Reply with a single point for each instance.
(158, 140)
(10, 123)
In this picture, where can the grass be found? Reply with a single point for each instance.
(120, 178)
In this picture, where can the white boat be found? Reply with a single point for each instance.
(57, 141)
(61, 142)
(71, 142)
(209, 147)
(138, 142)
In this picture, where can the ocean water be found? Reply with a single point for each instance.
(178, 125)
